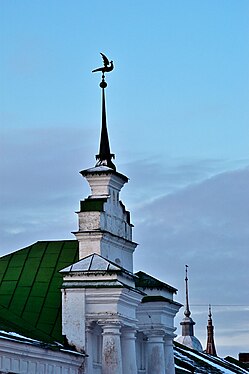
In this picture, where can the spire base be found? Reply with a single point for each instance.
(105, 160)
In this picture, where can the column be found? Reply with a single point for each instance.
(169, 355)
(128, 346)
(89, 348)
(155, 352)
(111, 351)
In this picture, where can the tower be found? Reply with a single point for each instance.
(104, 223)
(99, 295)
(124, 322)
(210, 349)
(187, 338)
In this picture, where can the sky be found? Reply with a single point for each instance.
(178, 115)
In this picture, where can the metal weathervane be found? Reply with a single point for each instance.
(108, 66)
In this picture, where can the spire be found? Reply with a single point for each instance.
(104, 158)
(187, 323)
(210, 335)
(187, 311)
(187, 338)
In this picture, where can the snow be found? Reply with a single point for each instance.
(210, 362)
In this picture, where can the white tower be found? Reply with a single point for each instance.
(104, 223)
(124, 322)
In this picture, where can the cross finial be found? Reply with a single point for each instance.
(209, 311)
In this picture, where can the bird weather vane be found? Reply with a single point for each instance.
(108, 66)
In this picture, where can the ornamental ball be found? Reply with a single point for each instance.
(103, 84)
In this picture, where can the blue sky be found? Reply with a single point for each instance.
(178, 115)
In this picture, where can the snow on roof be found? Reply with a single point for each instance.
(203, 363)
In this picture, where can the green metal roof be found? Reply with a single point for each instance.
(30, 283)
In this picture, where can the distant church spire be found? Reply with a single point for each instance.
(187, 338)
(187, 323)
(104, 158)
(187, 311)
(210, 335)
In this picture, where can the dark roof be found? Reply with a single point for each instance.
(147, 281)
(240, 363)
(193, 361)
(30, 283)
(148, 299)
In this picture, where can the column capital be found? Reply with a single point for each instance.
(90, 325)
(111, 350)
(129, 332)
(128, 344)
(110, 327)
(126, 328)
(155, 333)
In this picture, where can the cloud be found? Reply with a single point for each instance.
(191, 212)
(152, 177)
(40, 185)
(204, 225)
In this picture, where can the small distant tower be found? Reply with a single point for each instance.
(210, 335)
(187, 338)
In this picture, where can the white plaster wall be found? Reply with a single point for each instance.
(107, 233)
(23, 358)
(102, 183)
(116, 219)
(73, 317)
(164, 292)
(90, 221)
(105, 303)
(113, 219)
(114, 248)
(157, 316)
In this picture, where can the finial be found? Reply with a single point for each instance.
(104, 158)
(108, 66)
(187, 311)
(209, 312)
(188, 324)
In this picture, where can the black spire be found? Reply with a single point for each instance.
(187, 310)
(104, 158)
